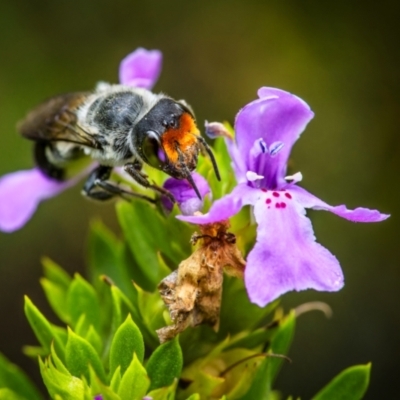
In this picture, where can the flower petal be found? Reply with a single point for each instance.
(286, 256)
(21, 193)
(278, 116)
(184, 194)
(359, 214)
(227, 206)
(141, 68)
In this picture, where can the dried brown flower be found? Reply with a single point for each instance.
(193, 292)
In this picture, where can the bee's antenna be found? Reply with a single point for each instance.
(211, 155)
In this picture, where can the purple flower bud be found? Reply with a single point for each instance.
(184, 194)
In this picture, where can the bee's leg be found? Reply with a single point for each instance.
(44, 164)
(135, 171)
(97, 187)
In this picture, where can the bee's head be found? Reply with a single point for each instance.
(168, 139)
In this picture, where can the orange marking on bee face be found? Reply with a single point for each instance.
(184, 136)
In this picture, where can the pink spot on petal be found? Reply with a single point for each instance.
(283, 205)
(268, 201)
(278, 205)
(288, 195)
(264, 190)
(276, 194)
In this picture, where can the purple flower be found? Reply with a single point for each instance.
(141, 68)
(184, 194)
(285, 256)
(22, 191)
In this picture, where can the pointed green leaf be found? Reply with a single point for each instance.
(165, 393)
(260, 386)
(122, 306)
(237, 313)
(253, 339)
(204, 384)
(42, 328)
(146, 278)
(82, 299)
(135, 382)
(166, 236)
(194, 396)
(7, 394)
(54, 273)
(106, 258)
(127, 341)
(15, 379)
(225, 186)
(133, 219)
(66, 386)
(268, 369)
(98, 387)
(116, 380)
(34, 351)
(280, 344)
(151, 308)
(57, 297)
(94, 339)
(58, 364)
(165, 364)
(79, 354)
(350, 384)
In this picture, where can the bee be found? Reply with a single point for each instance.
(117, 126)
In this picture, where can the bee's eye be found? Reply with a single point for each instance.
(170, 122)
(154, 153)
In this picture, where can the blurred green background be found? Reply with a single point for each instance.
(341, 57)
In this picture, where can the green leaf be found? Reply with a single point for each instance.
(79, 355)
(58, 364)
(94, 339)
(225, 186)
(133, 219)
(57, 297)
(263, 378)
(204, 384)
(237, 313)
(165, 393)
(146, 278)
(350, 384)
(43, 329)
(106, 257)
(151, 308)
(194, 396)
(82, 299)
(116, 380)
(34, 351)
(165, 235)
(122, 306)
(135, 382)
(253, 339)
(165, 364)
(54, 273)
(15, 379)
(259, 388)
(127, 341)
(98, 387)
(66, 386)
(280, 344)
(7, 394)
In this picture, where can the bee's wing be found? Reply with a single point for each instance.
(56, 120)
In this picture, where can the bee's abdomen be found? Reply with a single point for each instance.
(117, 111)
